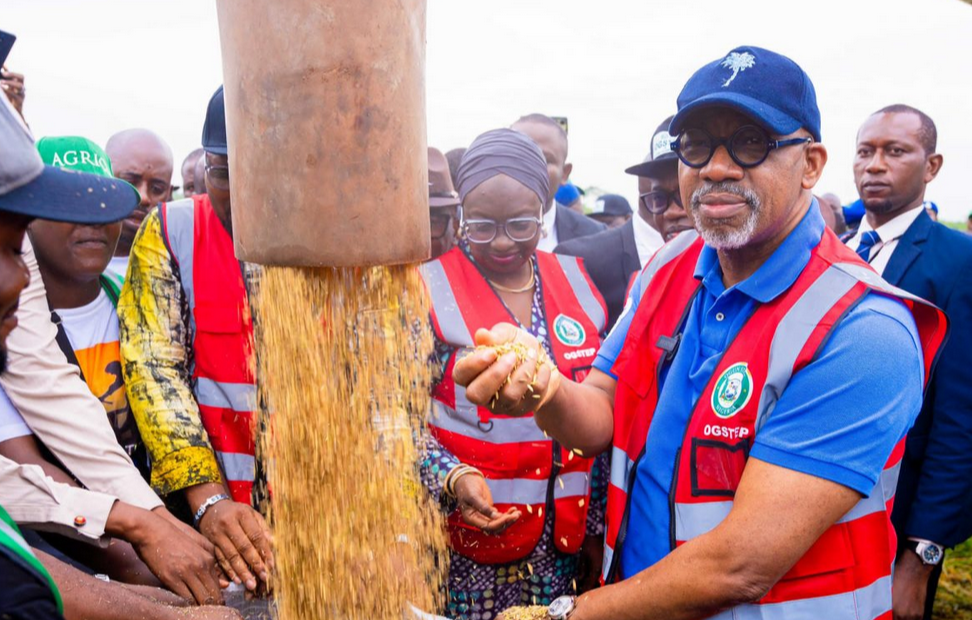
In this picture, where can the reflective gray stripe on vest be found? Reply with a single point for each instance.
(878, 499)
(794, 331)
(517, 490)
(236, 396)
(608, 558)
(575, 484)
(621, 466)
(533, 491)
(180, 235)
(447, 312)
(668, 252)
(867, 275)
(586, 295)
(694, 520)
(501, 430)
(236, 466)
(864, 603)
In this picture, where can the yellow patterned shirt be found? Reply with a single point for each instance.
(155, 346)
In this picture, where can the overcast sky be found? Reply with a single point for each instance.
(613, 67)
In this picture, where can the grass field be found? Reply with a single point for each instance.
(954, 599)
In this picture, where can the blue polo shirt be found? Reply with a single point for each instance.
(838, 419)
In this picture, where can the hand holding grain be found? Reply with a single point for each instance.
(509, 372)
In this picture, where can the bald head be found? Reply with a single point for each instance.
(552, 140)
(142, 158)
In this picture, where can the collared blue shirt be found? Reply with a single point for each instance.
(838, 419)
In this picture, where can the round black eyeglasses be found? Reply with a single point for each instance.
(748, 146)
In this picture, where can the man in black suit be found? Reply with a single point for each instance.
(895, 161)
(612, 256)
(559, 223)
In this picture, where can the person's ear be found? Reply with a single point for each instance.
(932, 166)
(566, 174)
(815, 159)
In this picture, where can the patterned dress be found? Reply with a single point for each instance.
(482, 591)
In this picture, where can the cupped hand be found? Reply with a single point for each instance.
(497, 383)
(476, 506)
(242, 540)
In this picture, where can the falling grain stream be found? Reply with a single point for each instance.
(344, 370)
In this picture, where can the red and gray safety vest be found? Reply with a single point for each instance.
(222, 334)
(847, 572)
(523, 467)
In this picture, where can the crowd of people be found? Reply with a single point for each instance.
(738, 400)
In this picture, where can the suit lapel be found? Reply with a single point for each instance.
(908, 249)
(564, 224)
(629, 248)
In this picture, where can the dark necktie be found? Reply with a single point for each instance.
(868, 240)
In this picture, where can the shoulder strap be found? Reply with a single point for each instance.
(111, 287)
(65, 343)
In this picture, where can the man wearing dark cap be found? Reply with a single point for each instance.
(612, 210)
(756, 392)
(611, 257)
(443, 204)
(559, 223)
(186, 293)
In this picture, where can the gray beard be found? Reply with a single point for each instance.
(720, 238)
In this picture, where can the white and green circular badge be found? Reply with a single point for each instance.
(733, 390)
(569, 331)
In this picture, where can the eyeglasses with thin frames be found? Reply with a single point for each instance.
(218, 177)
(518, 229)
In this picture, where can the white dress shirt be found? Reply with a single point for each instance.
(548, 236)
(70, 421)
(647, 239)
(889, 233)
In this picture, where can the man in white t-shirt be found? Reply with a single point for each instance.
(82, 294)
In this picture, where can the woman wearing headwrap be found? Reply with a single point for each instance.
(519, 503)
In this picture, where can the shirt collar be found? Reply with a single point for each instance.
(550, 218)
(647, 239)
(780, 270)
(893, 229)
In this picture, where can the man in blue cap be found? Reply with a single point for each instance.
(756, 392)
(186, 338)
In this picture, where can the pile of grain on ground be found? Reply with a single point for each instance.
(344, 370)
(530, 612)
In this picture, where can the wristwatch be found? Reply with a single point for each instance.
(561, 607)
(929, 552)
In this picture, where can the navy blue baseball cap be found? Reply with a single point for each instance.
(768, 87)
(28, 187)
(214, 129)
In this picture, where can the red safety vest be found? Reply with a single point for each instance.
(847, 572)
(223, 376)
(523, 467)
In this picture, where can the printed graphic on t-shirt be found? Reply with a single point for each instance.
(101, 365)
(93, 332)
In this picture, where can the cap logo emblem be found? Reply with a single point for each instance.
(661, 144)
(737, 62)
